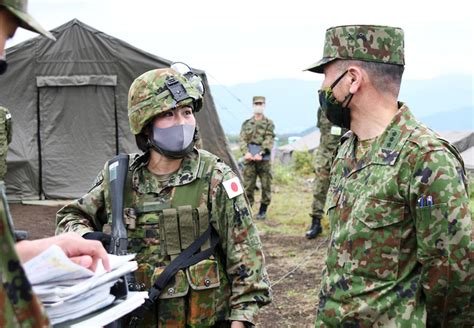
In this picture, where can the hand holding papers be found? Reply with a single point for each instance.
(69, 290)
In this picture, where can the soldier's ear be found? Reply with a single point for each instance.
(356, 76)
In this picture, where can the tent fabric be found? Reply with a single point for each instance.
(68, 101)
(76, 80)
(468, 157)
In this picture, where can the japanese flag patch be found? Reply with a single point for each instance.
(233, 187)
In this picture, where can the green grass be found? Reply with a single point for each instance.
(289, 210)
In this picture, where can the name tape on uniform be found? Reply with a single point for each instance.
(233, 187)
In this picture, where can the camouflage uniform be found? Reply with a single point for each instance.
(19, 307)
(229, 286)
(330, 136)
(400, 250)
(261, 133)
(5, 138)
(391, 262)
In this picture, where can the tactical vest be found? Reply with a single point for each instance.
(158, 232)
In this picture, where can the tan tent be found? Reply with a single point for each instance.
(68, 101)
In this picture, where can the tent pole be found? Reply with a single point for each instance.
(40, 166)
(116, 124)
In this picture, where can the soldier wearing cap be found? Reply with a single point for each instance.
(400, 250)
(257, 136)
(19, 306)
(173, 194)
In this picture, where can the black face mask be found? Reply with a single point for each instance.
(336, 112)
(3, 66)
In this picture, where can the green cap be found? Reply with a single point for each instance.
(258, 99)
(18, 8)
(373, 43)
(149, 96)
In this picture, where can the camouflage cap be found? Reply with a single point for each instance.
(149, 96)
(19, 9)
(383, 44)
(258, 99)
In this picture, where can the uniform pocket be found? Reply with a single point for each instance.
(203, 277)
(144, 240)
(172, 302)
(375, 238)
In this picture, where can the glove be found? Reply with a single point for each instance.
(100, 236)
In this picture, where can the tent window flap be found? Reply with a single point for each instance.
(76, 80)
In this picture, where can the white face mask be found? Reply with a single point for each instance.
(258, 109)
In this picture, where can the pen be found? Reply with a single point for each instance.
(429, 201)
(421, 202)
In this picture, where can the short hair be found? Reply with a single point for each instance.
(385, 77)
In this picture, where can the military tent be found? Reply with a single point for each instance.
(68, 101)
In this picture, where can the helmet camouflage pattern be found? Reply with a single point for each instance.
(150, 95)
(373, 43)
(19, 9)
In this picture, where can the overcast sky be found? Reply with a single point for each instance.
(250, 40)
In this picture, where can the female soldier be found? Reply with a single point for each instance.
(173, 193)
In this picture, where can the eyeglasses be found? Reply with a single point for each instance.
(189, 74)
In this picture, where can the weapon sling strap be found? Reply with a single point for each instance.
(187, 258)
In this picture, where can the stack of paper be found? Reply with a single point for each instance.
(70, 291)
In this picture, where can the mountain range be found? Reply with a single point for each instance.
(445, 103)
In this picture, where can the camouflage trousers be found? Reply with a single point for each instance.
(322, 167)
(263, 170)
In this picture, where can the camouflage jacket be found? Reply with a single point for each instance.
(260, 132)
(244, 285)
(390, 261)
(19, 307)
(5, 138)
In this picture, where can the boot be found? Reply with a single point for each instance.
(262, 212)
(315, 229)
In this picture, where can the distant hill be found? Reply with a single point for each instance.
(444, 103)
(455, 120)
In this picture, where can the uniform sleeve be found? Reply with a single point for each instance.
(85, 214)
(243, 143)
(245, 263)
(268, 138)
(444, 246)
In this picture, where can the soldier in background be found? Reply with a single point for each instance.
(174, 193)
(256, 142)
(5, 138)
(329, 139)
(19, 306)
(400, 252)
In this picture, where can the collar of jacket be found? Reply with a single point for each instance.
(186, 173)
(386, 148)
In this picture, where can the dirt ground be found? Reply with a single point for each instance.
(294, 296)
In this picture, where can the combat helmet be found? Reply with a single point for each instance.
(19, 9)
(158, 91)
